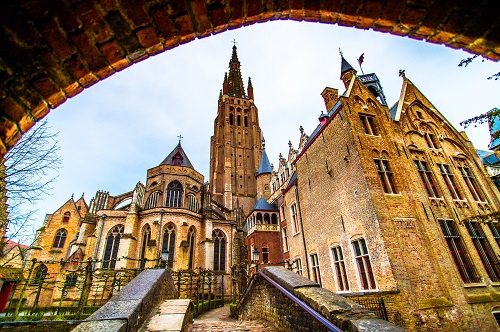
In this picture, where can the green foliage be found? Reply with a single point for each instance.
(232, 310)
(480, 119)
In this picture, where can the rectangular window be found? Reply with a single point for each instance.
(339, 268)
(484, 249)
(495, 230)
(458, 252)
(285, 240)
(315, 268)
(471, 183)
(426, 177)
(265, 255)
(450, 181)
(295, 218)
(298, 266)
(430, 139)
(367, 121)
(282, 212)
(363, 264)
(386, 176)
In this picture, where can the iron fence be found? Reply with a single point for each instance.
(373, 303)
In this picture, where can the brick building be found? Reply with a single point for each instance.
(379, 205)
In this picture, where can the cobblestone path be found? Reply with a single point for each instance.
(218, 320)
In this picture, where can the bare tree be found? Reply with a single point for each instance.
(467, 61)
(30, 169)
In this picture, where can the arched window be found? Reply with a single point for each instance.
(231, 119)
(111, 248)
(60, 238)
(246, 121)
(259, 218)
(71, 279)
(219, 239)
(191, 238)
(40, 274)
(146, 237)
(174, 194)
(193, 203)
(152, 200)
(66, 216)
(169, 243)
(238, 120)
(274, 219)
(267, 219)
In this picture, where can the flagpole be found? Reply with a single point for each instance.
(360, 61)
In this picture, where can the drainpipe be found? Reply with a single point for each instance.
(158, 252)
(302, 227)
(98, 241)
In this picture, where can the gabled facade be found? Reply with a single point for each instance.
(382, 198)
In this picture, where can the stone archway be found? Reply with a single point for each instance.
(54, 49)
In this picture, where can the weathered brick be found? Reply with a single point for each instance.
(94, 23)
(8, 132)
(89, 52)
(185, 28)
(73, 89)
(12, 110)
(76, 67)
(136, 12)
(201, 21)
(112, 51)
(57, 40)
(237, 13)
(148, 37)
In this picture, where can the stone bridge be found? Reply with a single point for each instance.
(51, 50)
(282, 299)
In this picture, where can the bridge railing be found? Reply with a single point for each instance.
(294, 303)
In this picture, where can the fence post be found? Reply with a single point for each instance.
(18, 306)
(86, 287)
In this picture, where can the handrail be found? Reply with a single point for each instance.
(326, 323)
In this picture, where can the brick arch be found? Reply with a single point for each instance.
(51, 50)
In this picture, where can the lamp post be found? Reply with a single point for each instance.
(164, 257)
(159, 237)
(255, 258)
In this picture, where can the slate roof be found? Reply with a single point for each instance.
(169, 160)
(488, 157)
(263, 205)
(265, 165)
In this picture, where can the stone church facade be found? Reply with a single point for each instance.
(378, 202)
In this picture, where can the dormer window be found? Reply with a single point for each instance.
(177, 159)
(66, 217)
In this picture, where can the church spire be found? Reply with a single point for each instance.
(250, 88)
(265, 165)
(234, 79)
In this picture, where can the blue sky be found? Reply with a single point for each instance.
(114, 131)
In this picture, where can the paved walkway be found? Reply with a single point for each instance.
(218, 320)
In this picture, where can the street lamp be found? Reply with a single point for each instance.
(164, 257)
(255, 258)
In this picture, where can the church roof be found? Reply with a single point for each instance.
(265, 165)
(177, 157)
(263, 205)
(488, 157)
(344, 66)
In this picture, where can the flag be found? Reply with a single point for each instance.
(361, 59)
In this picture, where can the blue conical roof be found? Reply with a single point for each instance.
(263, 205)
(265, 165)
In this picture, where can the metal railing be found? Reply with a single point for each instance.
(326, 323)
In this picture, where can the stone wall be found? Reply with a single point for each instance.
(264, 301)
(127, 310)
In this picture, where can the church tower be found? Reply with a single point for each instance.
(235, 147)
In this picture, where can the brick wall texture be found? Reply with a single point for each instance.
(53, 50)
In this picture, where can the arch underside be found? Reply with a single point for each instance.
(53, 50)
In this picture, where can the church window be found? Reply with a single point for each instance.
(419, 114)
(386, 176)
(173, 198)
(430, 139)
(265, 254)
(368, 123)
(238, 120)
(267, 219)
(60, 238)
(169, 243)
(219, 239)
(339, 269)
(295, 219)
(40, 274)
(66, 217)
(495, 230)
(471, 183)
(274, 219)
(298, 266)
(146, 237)
(111, 247)
(458, 252)
(177, 159)
(363, 264)
(426, 177)
(285, 239)
(488, 257)
(152, 200)
(71, 280)
(259, 218)
(450, 181)
(315, 268)
(231, 119)
(246, 121)
(193, 203)
(191, 239)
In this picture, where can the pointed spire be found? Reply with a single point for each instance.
(234, 80)
(177, 157)
(344, 66)
(265, 165)
(220, 94)
(250, 88)
(225, 85)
